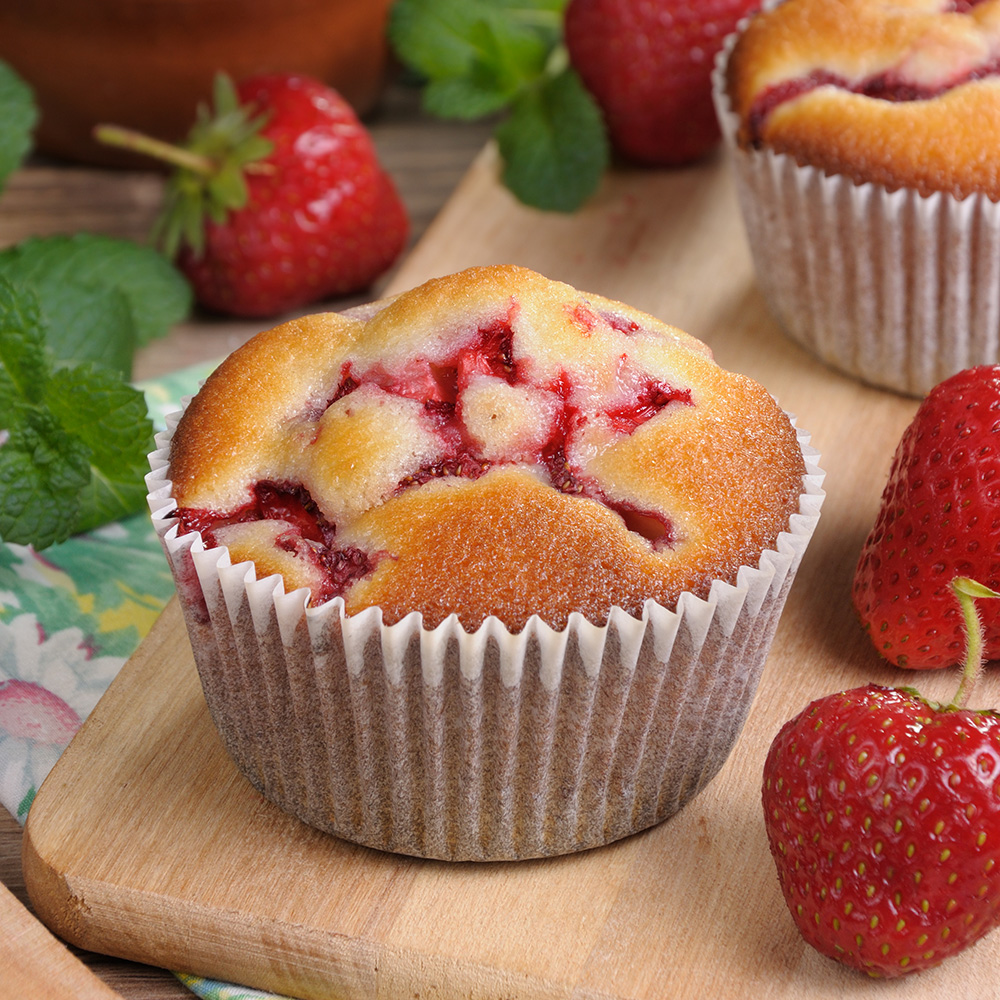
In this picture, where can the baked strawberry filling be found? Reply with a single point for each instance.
(459, 415)
(890, 85)
(271, 502)
(307, 535)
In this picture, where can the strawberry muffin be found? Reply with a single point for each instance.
(486, 570)
(863, 135)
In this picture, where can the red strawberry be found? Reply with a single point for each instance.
(939, 518)
(883, 818)
(279, 199)
(648, 66)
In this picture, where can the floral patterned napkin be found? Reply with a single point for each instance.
(70, 617)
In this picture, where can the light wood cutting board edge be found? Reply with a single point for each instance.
(36, 966)
(670, 243)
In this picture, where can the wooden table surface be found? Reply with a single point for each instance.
(426, 158)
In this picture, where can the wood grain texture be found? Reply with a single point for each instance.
(36, 966)
(129, 980)
(145, 843)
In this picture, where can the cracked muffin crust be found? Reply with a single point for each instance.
(489, 443)
(902, 93)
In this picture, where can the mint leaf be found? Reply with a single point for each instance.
(432, 36)
(475, 55)
(90, 323)
(18, 117)
(478, 58)
(23, 364)
(437, 37)
(57, 266)
(501, 60)
(42, 471)
(462, 98)
(109, 418)
(553, 145)
(73, 440)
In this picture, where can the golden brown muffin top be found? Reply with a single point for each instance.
(902, 93)
(489, 443)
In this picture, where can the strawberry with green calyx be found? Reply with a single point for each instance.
(939, 518)
(277, 199)
(882, 813)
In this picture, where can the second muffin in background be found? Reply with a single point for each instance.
(863, 136)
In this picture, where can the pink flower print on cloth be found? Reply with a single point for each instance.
(48, 686)
(30, 712)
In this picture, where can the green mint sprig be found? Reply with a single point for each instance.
(100, 297)
(478, 58)
(18, 118)
(74, 435)
(73, 439)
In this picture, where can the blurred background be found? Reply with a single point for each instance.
(146, 64)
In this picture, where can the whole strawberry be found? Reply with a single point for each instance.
(883, 818)
(939, 518)
(649, 66)
(278, 199)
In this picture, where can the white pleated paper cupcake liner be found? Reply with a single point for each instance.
(478, 746)
(893, 288)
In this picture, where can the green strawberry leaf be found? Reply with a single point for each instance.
(553, 145)
(18, 117)
(225, 99)
(57, 266)
(73, 440)
(227, 190)
(210, 180)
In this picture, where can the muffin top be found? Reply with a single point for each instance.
(488, 443)
(902, 93)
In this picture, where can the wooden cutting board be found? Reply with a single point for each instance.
(145, 843)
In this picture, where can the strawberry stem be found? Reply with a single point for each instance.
(967, 590)
(136, 142)
(209, 181)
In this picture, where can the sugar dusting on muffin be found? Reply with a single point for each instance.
(490, 443)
